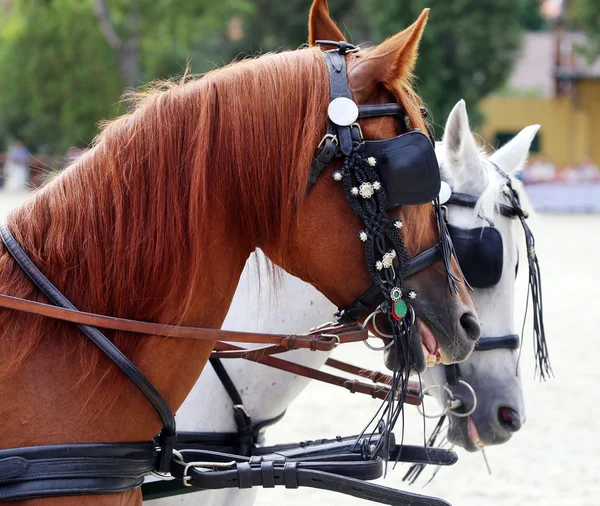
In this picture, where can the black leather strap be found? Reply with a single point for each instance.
(508, 342)
(423, 260)
(453, 375)
(465, 200)
(339, 87)
(100, 340)
(53, 470)
(350, 314)
(423, 455)
(376, 110)
(241, 416)
(323, 156)
(343, 476)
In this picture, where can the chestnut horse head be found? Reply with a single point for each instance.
(156, 220)
(324, 249)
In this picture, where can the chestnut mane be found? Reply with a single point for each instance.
(124, 230)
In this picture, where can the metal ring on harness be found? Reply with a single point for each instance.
(383, 334)
(371, 347)
(473, 408)
(445, 410)
(390, 336)
(167, 477)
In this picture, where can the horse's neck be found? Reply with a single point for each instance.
(294, 307)
(65, 244)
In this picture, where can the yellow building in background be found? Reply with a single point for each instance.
(564, 100)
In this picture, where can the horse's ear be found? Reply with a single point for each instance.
(512, 156)
(459, 144)
(461, 156)
(394, 59)
(320, 24)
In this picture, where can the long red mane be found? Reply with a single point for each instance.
(125, 229)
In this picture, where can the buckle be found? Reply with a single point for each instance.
(324, 140)
(213, 466)
(335, 338)
(360, 133)
(343, 46)
(167, 476)
(242, 408)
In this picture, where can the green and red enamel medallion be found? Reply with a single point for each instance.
(399, 307)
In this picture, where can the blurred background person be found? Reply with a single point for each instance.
(16, 168)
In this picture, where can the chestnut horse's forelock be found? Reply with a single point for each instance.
(124, 230)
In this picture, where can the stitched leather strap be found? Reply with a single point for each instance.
(339, 87)
(73, 469)
(354, 386)
(343, 476)
(322, 341)
(323, 156)
(374, 376)
(376, 110)
(99, 339)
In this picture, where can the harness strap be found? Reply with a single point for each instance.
(241, 416)
(453, 375)
(73, 469)
(377, 110)
(350, 314)
(99, 339)
(463, 199)
(344, 476)
(325, 153)
(229, 442)
(323, 340)
(507, 342)
(413, 396)
(339, 88)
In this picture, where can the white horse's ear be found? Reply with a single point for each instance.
(461, 153)
(512, 156)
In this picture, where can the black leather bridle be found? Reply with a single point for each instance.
(511, 341)
(485, 343)
(399, 182)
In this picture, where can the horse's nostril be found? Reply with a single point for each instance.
(509, 419)
(470, 325)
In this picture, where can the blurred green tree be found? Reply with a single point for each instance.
(272, 24)
(467, 51)
(151, 38)
(65, 63)
(586, 16)
(531, 16)
(58, 76)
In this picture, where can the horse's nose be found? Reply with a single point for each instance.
(470, 326)
(509, 419)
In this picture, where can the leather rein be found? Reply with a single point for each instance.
(323, 338)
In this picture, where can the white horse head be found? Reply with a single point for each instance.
(493, 374)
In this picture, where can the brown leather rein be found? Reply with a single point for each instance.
(324, 338)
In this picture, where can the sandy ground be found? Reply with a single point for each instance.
(554, 459)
